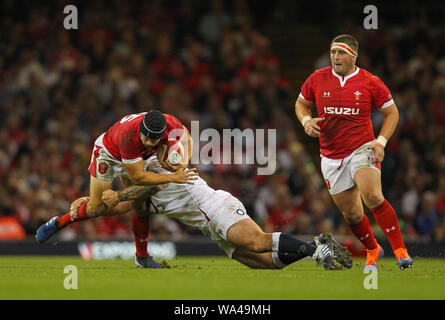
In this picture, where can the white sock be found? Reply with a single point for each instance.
(277, 262)
(275, 241)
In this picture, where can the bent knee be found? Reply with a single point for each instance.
(373, 199)
(258, 243)
(96, 209)
(353, 217)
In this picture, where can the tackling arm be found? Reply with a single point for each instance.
(138, 192)
(112, 198)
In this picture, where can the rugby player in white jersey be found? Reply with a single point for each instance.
(223, 218)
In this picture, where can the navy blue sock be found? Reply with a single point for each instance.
(288, 258)
(288, 244)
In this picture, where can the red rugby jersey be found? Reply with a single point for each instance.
(346, 104)
(123, 142)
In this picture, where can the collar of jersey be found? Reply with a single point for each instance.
(343, 81)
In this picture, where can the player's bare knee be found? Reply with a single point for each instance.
(258, 242)
(96, 209)
(353, 217)
(372, 198)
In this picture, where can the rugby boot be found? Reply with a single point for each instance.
(372, 257)
(47, 230)
(147, 263)
(324, 255)
(403, 259)
(341, 254)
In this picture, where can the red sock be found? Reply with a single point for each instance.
(68, 219)
(386, 217)
(363, 232)
(141, 229)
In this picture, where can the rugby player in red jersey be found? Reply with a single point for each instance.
(351, 157)
(222, 217)
(121, 152)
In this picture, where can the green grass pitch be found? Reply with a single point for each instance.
(214, 278)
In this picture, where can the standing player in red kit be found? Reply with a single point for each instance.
(351, 157)
(121, 151)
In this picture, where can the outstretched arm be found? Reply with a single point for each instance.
(112, 198)
(139, 176)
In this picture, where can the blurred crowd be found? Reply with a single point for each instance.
(207, 62)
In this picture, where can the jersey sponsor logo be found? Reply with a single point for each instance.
(326, 94)
(103, 168)
(341, 110)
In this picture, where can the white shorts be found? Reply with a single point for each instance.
(103, 166)
(214, 222)
(199, 206)
(221, 219)
(339, 174)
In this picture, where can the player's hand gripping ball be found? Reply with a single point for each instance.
(173, 153)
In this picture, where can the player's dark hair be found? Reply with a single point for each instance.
(153, 125)
(348, 39)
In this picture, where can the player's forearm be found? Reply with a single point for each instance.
(301, 110)
(137, 193)
(151, 179)
(187, 142)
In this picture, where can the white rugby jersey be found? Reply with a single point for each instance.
(192, 204)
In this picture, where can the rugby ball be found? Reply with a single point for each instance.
(172, 151)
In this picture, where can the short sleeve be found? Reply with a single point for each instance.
(307, 89)
(381, 96)
(129, 148)
(174, 130)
